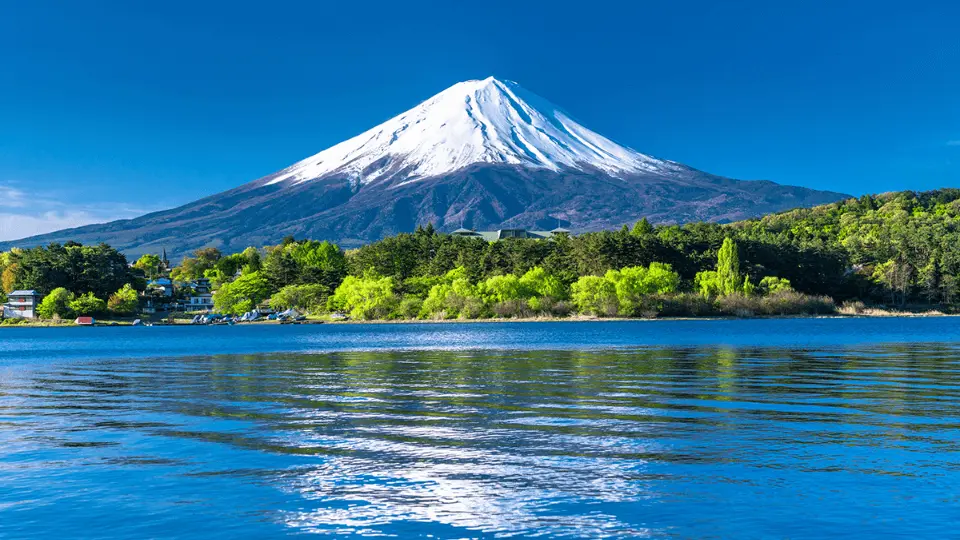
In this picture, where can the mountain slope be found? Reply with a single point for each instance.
(483, 154)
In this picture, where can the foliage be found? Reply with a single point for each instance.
(8, 278)
(771, 284)
(634, 283)
(150, 265)
(87, 305)
(368, 297)
(303, 297)
(99, 269)
(537, 283)
(194, 267)
(124, 301)
(894, 248)
(595, 295)
(457, 298)
(56, 304)
(502, 289)
(305, 262)
(729, 280)
(242, 294)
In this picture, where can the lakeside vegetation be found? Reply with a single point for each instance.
(898, 250)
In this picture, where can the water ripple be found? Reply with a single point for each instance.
(686, 441)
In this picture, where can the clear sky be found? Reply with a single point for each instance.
(111, 108)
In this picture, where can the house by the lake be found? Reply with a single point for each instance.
(21, 305)
(161, 287)
(201, 298)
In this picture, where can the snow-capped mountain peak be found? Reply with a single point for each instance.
(477, 121)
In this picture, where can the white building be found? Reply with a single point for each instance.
(199, 301)
(21, 305)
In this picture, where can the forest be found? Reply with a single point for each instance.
(897, 250)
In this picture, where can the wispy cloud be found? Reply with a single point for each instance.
(11, 197)
(24, 214)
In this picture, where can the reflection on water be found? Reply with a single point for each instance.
(685, 442)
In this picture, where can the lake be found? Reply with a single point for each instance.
(779, 428)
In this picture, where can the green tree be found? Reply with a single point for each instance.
(728, 268)
(150, 265)
(194, 267)
(642, 228)
(87, 305)
(633, 283)
(8, 279)
(56, 304)
(306, 262)
(538, 283)
(503, 289)
(302, 297)
(595, 295)
(708, 284)
(771, 284)
(452, 299)
(369, 297)
(241, 295)
(124, 302)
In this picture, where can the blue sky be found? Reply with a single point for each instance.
(109, 109)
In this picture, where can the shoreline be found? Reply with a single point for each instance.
(870, 314)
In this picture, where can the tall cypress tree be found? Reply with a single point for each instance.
(728, 267)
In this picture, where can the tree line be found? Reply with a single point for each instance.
(892, 249)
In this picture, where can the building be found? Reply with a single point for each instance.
(201, 285)
(493, 236)
(201, 298)
(161, 287)
(199, 302)
(22, 305)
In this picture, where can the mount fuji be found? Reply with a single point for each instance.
(483, 154)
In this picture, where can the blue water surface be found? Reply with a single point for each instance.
(804, 428)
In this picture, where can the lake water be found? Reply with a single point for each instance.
(691, 429)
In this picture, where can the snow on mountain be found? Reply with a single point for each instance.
(479, 121)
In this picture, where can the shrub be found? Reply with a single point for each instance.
(369, 297)
(303, 297)
(686, 305)
(242, 294)
(635, 283)
(853, 307)
(88, 305)
(124, 302)
(538, 283)
(790, 302)
(561, 308)
(512, 308)
(738, 305)
(457, 299)
(595, 295)
(410, 307)
(708, 283)
(771, 284)
(56, 304)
